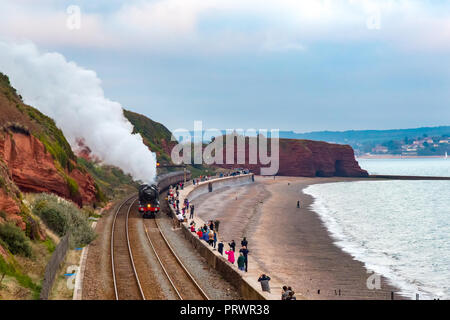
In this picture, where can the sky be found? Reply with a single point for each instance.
(277, 64)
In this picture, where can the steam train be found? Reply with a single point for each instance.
(149, 204)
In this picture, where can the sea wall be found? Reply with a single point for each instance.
(230, 272)
(210, 186)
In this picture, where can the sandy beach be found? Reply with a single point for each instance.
(290, 244)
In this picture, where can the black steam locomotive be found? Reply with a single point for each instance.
(149, 194)
(148, 200)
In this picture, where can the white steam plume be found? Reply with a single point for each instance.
(74, 98)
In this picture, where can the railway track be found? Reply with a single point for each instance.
(184, 284)
(127, 284)
(126, 280)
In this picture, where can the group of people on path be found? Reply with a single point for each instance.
(208, 233)
(174, 201)
(200, 179)
(242, 260)
(288, 294)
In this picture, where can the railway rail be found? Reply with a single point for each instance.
(184, 284)
(125, 277)
(127, 285)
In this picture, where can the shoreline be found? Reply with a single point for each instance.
(296, 240)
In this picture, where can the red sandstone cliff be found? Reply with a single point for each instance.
(308, 158)
(9, 201)
(33, 169)
(35, 156)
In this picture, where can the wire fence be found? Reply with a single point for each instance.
(53, 267)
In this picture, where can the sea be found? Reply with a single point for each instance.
(398, 229)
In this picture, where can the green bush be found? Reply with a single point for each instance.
(15, 240)
(3, 214)
(55, 219)
(64, 217)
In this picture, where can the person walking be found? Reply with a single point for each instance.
(211, 238)
(230, 255)
(220, 247)
(215, 239)
(245, 252)
(244, 242)
(298, 204)
(232, 245)
(191, 215)
(264, 280)
(241, 262)
(180, 219)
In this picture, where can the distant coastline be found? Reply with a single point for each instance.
(395, 156)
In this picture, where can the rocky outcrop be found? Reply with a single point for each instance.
(33, 169)
(86, 186)
(307, 158)
(317, 158)
(9, 201)
(8, 204)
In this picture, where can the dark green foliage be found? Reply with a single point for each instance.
(64, 217)
(54, 219)
(15, 240)
(156, 136)
(153, 133)
(3, 214)
(108, 178)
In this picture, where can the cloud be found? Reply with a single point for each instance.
(74, 98)
(230, 25)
